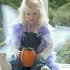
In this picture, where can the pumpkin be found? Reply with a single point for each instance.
(28, 56)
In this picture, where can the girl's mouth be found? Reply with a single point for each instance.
(31, 20)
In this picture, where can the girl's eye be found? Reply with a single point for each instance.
(34, 13)
(28, 13)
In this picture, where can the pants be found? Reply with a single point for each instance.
(38, 64)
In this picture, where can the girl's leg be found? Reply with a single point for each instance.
(51, 63)
(39, 65)
(17, 65)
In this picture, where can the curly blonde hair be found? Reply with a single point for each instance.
(33, 3)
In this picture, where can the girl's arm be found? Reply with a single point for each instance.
(45, 49)
(13, 37)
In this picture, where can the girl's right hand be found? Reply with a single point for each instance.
(38, 56)
(18, 55)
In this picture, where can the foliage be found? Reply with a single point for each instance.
(63, 56)
(56, 3)
(13, 3)
(61, 16)
(63, 13)
(1, 30)
(52, 14)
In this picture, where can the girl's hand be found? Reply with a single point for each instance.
(38, 56)
(18, 55)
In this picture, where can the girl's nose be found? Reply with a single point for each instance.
(31, 16)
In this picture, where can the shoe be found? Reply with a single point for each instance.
(45, 68)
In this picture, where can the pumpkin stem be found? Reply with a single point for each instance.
(28, 48)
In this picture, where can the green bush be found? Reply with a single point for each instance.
(61, 16)
(63, 56)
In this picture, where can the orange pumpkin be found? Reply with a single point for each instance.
(28, 57)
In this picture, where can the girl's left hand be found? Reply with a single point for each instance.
(38, 56)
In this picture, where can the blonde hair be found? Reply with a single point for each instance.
(33, 3)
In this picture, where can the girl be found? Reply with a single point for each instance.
(32, 18)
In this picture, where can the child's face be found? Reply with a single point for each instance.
(32, 15)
